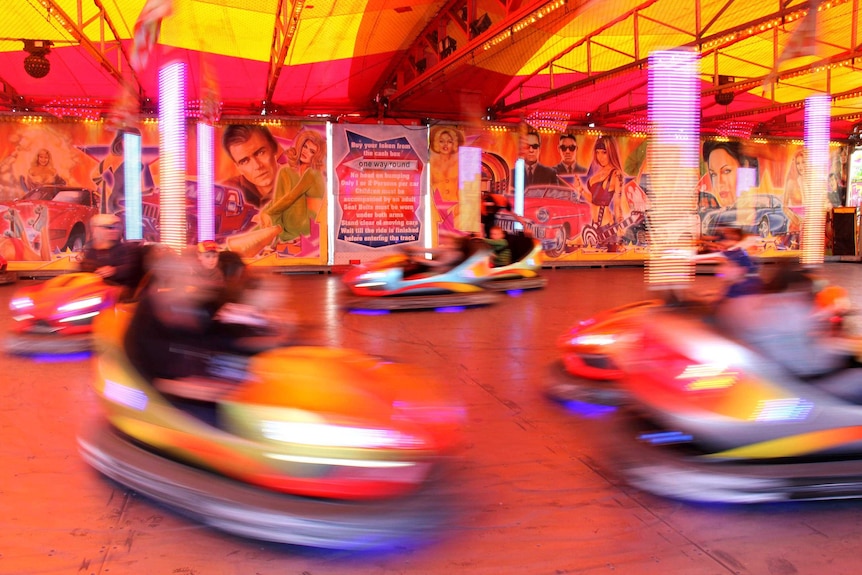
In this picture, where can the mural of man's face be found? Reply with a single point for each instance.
(568, 147)
(255, 160)
(532, 149)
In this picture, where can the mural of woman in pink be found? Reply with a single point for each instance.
(300, 192)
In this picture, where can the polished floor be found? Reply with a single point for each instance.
(533, 495)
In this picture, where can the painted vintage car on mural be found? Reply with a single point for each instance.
(65, 210)
(556, 216)
(231, 213)
(757, 214)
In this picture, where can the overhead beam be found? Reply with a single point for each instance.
(707, 45)
(498, 35)
(584, 40)
(75, 27)
(286, 23)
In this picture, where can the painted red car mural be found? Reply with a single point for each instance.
(556, 215)
(231, 213)
(65, 210)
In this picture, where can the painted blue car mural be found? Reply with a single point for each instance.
(760, 214)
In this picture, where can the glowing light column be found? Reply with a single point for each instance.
(817, 118)
(206, 218)
(172, 155)
(674, 144)
(469, 192)
(518, 204)
(132, 179)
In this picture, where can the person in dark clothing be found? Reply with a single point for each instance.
(107, 256)
(179, 330)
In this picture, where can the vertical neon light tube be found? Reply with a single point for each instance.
(172, 155)
(205, 195)
(817, 118)
(132, 177)
(426, 236)
(330, 198)
(674, 115)
(518, 206)
(469, 192)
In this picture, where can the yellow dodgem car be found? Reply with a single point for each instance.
(312, 446)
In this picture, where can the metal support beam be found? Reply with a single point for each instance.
(75, 27)
(286, 22)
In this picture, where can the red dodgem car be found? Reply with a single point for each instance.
(557, 215)
(65, 210)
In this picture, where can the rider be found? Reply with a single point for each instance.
(177, 331)
(107, 256)
(502, 251)
(449, 252)
(785, 325)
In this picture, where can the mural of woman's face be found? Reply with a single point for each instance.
(602, 157)
(800, 163)
(445, 143)
(308, 151)
(44, 157)
(722, 168)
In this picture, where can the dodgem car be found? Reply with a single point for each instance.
(312, 446)
(712, 420)
(591, 349)
(523, 272)
(65, 210)
(392, 282)
(56, 316)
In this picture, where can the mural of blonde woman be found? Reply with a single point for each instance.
(42, 171)
(300, 191)
(444, 144)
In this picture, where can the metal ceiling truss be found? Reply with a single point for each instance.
(414, 62)
(708, 44)
(106, 47)
(286, 21)
(490, 41)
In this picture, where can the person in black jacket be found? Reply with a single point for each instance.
(107, 256)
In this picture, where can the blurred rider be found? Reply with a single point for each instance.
(107, 256)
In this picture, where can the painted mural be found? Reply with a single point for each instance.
(587, 195)
(269, 189)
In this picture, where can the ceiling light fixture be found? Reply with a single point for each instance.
(36, 64)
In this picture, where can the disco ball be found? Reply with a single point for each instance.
(37, 65)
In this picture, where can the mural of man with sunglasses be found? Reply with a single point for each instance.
(569, 157)
(568, 170)
(536, 174)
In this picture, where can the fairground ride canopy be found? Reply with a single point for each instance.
(559, 64)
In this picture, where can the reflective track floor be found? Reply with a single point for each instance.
(532, 493)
